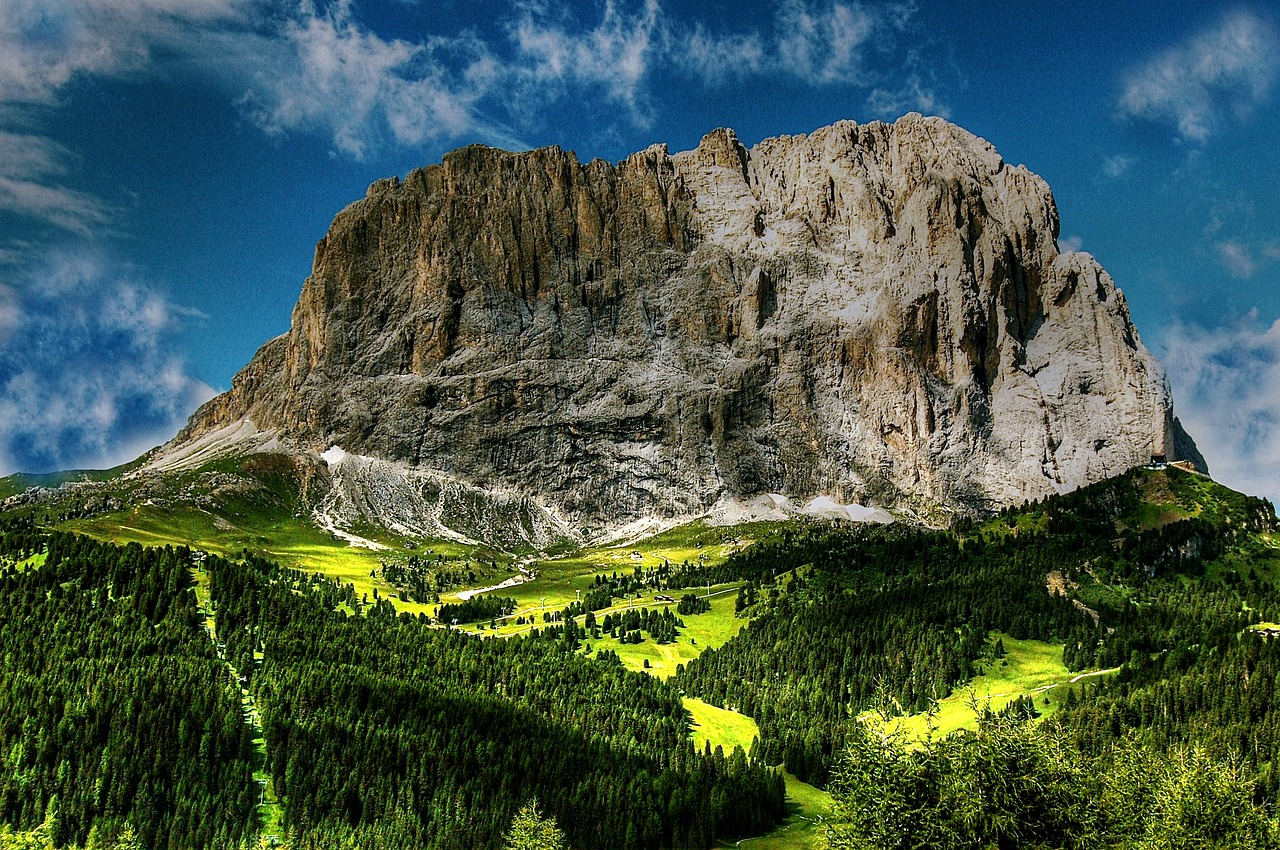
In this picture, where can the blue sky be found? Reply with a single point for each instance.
(167, 166)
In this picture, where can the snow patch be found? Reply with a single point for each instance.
(775, 507)
(825, 506)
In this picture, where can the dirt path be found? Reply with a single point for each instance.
(1075, 679)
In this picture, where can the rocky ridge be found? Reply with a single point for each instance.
(875, 314)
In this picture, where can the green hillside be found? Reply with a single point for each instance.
(1117, 625)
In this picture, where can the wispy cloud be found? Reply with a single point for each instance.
(816, 43)
(1117, 165)
(721, 58)
(30, 169)
(615, 54)
(912, 94)
(331, 73)
(316, 67)
(1196, 86)
(45, 43)
(1238, 258)
(328, 73)
(824, 44)
(88, 376)
(1227, 384)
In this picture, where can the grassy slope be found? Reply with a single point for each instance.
(806, 805)
(19, 482)
(292, 543)
(1029, 668)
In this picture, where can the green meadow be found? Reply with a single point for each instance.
(557, 581)
(1029, 668)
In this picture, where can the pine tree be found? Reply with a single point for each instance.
(531, 831)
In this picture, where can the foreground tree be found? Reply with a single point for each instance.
(531, 831)
(1016, 784)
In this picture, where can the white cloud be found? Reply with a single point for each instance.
(1238, 258)
(718, 58)
(912, 95)
(1195, 86)
(87, 373)
(617, 53)
(30, 166)
(1227, 385)
(312, 67)
(1070, 244)
(825, 44)
(45, 43)
(1117, 166)
(817, 43)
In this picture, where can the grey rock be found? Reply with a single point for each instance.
(873, 313)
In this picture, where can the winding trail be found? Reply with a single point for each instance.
(1075, 679)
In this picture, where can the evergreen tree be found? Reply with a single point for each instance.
(531, 831)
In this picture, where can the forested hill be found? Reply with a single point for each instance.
(164, 698)
(1156, 572)
(120, 718)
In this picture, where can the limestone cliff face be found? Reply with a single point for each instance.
(876, 313)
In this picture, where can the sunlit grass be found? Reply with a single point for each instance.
(1030, 668)
(720, 727)
(807, 808)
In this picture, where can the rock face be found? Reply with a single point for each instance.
(871, 313)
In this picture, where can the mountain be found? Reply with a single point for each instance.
(870, 314)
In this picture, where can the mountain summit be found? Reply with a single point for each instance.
(875, 314)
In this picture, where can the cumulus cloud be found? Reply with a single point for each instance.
(1226, 71)
(1227, 384)
(87, 373)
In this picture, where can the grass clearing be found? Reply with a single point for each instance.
(34, 562)
(720, 727)
(801, 829)
(701, 631)
(807, 806)
(1029, 668)
(291, 543)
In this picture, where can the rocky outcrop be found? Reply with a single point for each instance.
(871, 313)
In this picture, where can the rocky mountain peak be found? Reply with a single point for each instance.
(874, 314)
